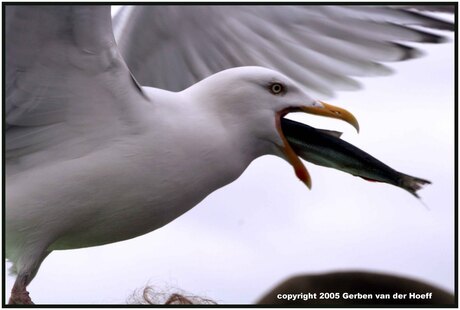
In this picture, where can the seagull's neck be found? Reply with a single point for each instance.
(205, 140)
(233, 122)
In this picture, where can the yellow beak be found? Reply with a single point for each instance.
(329, 110)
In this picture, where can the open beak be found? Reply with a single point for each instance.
(323, 109)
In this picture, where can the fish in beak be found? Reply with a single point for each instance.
(318, 108)
(326, 149)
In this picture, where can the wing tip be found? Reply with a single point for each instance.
(408, 52)
(433, 38)
(433, 22)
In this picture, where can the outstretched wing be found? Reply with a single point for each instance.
(68, 91)
(172, 47)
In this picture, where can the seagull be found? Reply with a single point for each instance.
(93, 157)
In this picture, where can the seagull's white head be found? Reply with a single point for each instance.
(252, 101)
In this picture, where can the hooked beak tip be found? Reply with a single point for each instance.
(329, 110)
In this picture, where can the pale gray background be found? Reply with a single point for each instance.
(267, 225)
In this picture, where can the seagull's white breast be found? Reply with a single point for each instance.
(137, 184)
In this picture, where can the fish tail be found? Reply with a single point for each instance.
(412, 184)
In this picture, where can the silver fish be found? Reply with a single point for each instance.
(325, 148)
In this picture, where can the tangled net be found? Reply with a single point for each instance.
(151, 296)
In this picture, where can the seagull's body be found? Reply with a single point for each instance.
(94, 158)
(133, 184)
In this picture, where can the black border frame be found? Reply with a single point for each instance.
(4, 272)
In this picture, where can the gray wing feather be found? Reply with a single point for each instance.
(322, 47)
(67, 87)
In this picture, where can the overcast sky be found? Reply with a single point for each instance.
(267, 226)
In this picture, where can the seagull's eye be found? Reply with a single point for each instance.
(276, 88)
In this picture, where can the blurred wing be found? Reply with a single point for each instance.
(68, 91)
(172, 47)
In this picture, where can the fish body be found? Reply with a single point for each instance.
(325, 149)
